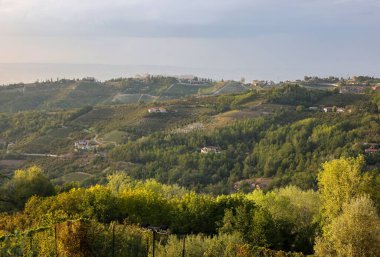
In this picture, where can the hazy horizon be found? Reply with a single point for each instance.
(13, 73)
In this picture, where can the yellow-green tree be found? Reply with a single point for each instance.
(354, 233)
(351, 225)
(339, 181)
(24, 184)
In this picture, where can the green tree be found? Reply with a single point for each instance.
(254, 224)
(300, 108)
(295, 213)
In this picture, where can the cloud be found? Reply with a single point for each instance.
(196, 18)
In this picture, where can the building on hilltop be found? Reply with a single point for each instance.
(352, 89)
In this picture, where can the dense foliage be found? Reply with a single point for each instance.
(183, 211)
(286, 219)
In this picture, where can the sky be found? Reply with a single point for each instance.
(230, 39)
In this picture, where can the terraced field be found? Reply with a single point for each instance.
(115, 136)
(341, 100)
(87, 93)
(73, 177)
(252, 112)
(94, 116)
(181, 89)
(231, 88)
(132, 98)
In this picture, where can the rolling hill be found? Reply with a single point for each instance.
(166, 146)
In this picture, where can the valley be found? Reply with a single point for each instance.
(129, 167)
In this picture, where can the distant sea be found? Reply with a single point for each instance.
(11, 73)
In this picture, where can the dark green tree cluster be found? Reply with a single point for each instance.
(295, 95)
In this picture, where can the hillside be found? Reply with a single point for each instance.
(65, 94)
(75, 93)
(269, 133)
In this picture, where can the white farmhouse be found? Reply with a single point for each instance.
(210, 149)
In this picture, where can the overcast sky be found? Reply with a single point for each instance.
(263, 39)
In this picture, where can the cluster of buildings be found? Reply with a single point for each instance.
(263, 83)
(328, 109)
(334, 109)
(193, 80)
(352, 89)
